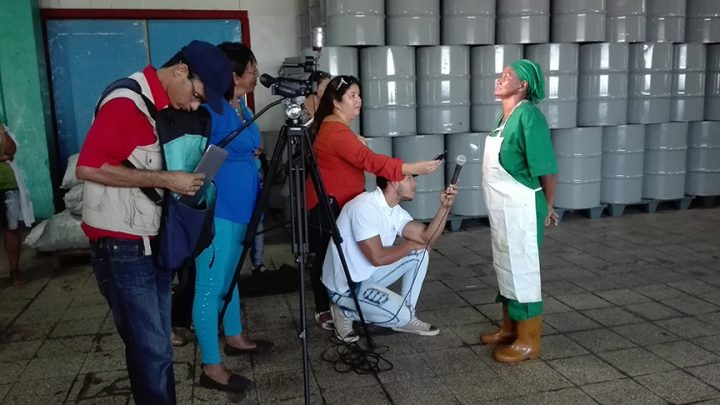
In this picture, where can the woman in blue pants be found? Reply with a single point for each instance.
(237, 184)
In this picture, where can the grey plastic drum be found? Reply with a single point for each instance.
(578, 21)
(412, 22)
(352, 22)
(626, 21)
(703, 161)
(443, 89)
(337, 60)
(382, 145)
(712, 83)
(688, 83)
(579, 157)
(487, 64)
(427, 196)
(603, 84)
(470, 200)
(388, 91)
(468, 22)
(559, 63)
(665, 20)
(703, 21)
(665, 160)
(623, 149)
(522, 22)
(650, 83)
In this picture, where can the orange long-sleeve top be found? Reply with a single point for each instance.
(342, 160)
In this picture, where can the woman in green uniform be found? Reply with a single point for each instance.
(519, 182)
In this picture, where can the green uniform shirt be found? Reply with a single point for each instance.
(527, 153)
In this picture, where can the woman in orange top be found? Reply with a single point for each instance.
(342, 158)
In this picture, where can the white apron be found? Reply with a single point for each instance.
(513, 222)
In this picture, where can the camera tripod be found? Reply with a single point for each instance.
(294, 140)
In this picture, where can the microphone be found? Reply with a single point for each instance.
(460, 161)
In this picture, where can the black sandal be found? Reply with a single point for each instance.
(236, 383)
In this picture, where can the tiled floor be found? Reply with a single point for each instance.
(632, 316)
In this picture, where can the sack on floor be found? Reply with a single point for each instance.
(74, 199)
(61, 232)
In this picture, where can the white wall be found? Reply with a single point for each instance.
(274, 31)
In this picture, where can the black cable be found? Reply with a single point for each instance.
(347, 357)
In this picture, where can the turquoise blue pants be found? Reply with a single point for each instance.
(215, 267)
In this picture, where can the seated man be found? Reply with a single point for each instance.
(369, 224)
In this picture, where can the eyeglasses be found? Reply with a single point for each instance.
(340, 83)
(196, 96)
(254, 71)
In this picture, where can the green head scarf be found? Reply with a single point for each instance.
(531, 72)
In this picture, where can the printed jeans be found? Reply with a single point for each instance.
(139, 296)
(381, 306)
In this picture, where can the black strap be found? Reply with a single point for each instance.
(130, 84)
(149, 192)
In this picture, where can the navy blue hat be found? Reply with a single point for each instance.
(214, 69)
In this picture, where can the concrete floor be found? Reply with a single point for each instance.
(632, 316)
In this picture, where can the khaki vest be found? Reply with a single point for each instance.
(127, 209)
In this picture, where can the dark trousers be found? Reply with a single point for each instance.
(319, 233)
(139, 296)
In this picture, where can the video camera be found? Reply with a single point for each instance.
(296, 77)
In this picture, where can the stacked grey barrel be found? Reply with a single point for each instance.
(688, 83)
(468, 22)
(640, 69)
(665, 160)
(703, 161)
(712, 87)
(623, 148)
(603, 84)
(559, 63)
(650, 82)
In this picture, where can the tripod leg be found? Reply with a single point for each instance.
(336, 237)
(296, 155)
(260, 202)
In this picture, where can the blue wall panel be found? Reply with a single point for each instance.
(85, 56)
(166, 37)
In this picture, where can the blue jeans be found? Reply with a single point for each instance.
(381, 306)
(139, 296)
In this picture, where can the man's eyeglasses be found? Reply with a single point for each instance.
(196, 96)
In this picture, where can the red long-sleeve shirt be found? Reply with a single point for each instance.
(342, 160)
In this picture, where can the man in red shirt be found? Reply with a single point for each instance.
(120, 220)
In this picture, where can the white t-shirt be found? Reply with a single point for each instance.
(364, 217)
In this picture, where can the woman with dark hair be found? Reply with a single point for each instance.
(237, 184)
(342, 159)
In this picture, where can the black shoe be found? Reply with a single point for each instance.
(236, 383)
(261, 347)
